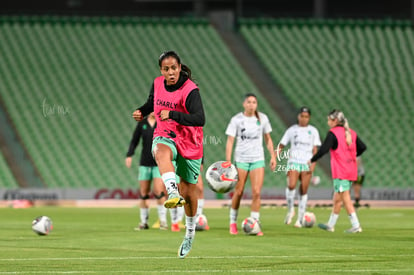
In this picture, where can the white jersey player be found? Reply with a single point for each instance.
(304, 140)
(248, 128)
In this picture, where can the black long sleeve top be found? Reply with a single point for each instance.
(144, 130)
(331, 142)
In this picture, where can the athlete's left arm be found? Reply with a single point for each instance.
(330, 142)
(361, 147)
(270, 148)
(195, 117)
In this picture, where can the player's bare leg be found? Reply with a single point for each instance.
(235, 201)
(163, 156)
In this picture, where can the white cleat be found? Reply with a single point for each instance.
(289, 217)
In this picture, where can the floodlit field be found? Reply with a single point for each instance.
(102, 241)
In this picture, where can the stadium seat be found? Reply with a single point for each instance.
(100, 70)
(363, 67)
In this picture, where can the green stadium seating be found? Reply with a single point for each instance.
(365, 68)
(70, 85)
(7, 179)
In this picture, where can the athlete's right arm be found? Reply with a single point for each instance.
(283, 142)
(229, 148)
(145, 109)
(133, 145)
(134, 140)
(279, 149)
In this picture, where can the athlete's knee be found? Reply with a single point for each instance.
(238, 193)
(145, 197)
(159, 196)
(255, 195)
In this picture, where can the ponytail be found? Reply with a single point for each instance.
(256, 113)
(348, 136)
(186, 70)
(342, 121)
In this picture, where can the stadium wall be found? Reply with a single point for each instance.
(315, 193)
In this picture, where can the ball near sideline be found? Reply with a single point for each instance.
(251, 226)
(221, 176)
(309, 219)
(42, 225)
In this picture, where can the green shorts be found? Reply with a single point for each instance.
(300, 167)
(148, 172)
(249, 166)
(187, 169)
(342, 185)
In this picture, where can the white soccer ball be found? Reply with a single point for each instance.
(251, 226)
(315, 180)
(220, 177)
(309, 219)
(42, 225)
(201, 223)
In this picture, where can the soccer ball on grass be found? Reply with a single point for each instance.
(309, 219)
(42, 225)
(201, 223)
(221, 176)
(251, 226)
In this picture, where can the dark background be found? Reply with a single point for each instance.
(358, 9)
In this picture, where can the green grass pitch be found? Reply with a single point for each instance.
(102, 241)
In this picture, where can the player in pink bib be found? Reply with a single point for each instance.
(344, 146)
(178, 138)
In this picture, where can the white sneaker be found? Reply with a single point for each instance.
(163, 226)
(354, 230)
(298, 224)
(326, 227)
(289, 217)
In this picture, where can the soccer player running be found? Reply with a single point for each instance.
(344, 146)
(249, 127)
(148, 171)
(176, 102)
(304, 141)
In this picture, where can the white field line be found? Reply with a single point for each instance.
(199, 257)
(254, 271)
